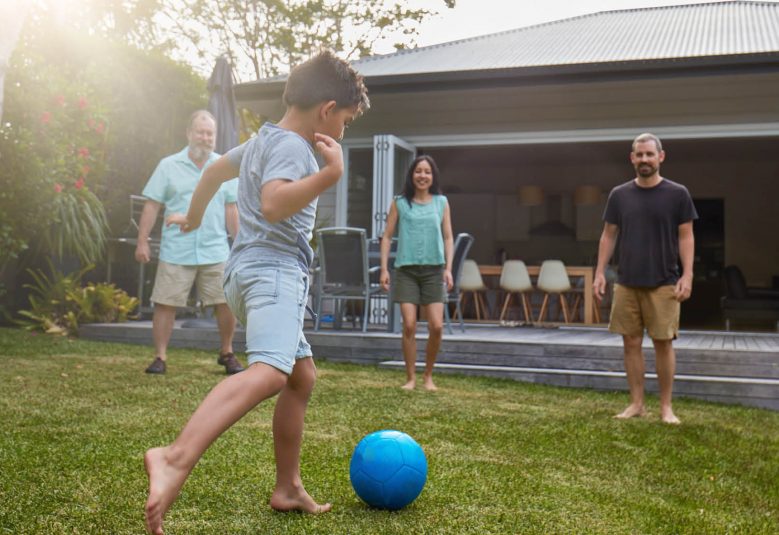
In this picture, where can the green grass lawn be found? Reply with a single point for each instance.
(504, 457)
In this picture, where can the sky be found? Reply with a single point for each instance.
(471, 18)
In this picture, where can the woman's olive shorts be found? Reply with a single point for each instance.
(420, 285)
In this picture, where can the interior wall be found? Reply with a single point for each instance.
(482, 184)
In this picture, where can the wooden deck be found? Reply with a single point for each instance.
(726, 367)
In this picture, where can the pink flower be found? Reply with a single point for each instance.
(79, 183)
(99, 128)
(46, 117)
(83, 152)
(60, 100)
(82, 103)
(58, 188)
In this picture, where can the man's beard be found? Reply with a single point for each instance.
(200, 152)
(645, 170)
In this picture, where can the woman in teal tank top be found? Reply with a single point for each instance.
(423, 265)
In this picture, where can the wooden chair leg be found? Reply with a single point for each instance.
(542, 312)
(484, 309)
(505, 305)
(526, 309)
(564, 306)
(463, 302)
(596, 310)
(575, 308)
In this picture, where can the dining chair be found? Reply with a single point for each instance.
(514, 279)
(553, 279)
(472, 283)
(462, 244)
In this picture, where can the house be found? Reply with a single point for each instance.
(532, 127)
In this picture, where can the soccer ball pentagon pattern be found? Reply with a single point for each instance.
(388, 469)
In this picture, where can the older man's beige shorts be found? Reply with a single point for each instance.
(173, 283)
(654, 309)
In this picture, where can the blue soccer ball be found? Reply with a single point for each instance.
(388, 469)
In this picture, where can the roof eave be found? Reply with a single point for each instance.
(582, 72)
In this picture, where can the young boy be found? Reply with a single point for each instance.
(266, 278)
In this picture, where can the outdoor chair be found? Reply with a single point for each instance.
(382, 308)
(130, 238)
(514, 279)
(462, 245)
(344, 274)
(553, 279)
(471, 283)
(744, 303)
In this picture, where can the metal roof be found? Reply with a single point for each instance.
(631, 35)
(717, 35)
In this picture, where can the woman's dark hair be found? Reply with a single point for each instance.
(323, 78)
(408, 186)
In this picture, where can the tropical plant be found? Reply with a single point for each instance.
(102, 303)
(58, 302)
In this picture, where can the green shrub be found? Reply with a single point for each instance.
(58, 302)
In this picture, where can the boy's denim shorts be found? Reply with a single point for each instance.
(269, 299)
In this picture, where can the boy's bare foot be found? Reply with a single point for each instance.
(429, 385)
(668, 417)
(165, 482)
(410, 385)
(296, 500)
(631, 411)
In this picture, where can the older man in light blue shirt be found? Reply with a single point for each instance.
(193, 258)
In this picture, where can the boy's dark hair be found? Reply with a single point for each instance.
(408, 187)
(323, 78)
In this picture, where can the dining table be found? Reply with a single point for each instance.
(586, 272)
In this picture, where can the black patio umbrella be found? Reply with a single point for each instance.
(222, 105)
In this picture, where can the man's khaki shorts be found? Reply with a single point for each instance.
(637, 308)
(173, 283)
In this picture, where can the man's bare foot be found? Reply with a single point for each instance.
(284, 500)
(631, 412)
(410, 385)
(668, 417)
(429, 385)
(165, 482)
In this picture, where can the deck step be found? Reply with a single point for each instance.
(593, 373)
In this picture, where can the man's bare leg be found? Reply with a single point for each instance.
(435, 327)
(225, 322)
(162, 321)
(634, 369)
(665, 363)
(288, 422)
(169, 466)
(408, 312)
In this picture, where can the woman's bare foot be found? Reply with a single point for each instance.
(410, 385)
(165, 482)
(631, 411)
(430, 385)
(668, 417)
(284, 500)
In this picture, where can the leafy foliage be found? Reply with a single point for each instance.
(61, 160)
(58, 302)
(273, 35)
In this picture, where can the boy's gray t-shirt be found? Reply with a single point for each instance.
(273, 154)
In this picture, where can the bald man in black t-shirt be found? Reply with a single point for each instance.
(652, 216)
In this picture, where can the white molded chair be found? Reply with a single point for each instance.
(514, 279)
(471, 282)
(553, 279)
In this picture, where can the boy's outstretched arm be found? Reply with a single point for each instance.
(215, 174)
(283, 198)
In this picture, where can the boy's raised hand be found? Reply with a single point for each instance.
(331, 152)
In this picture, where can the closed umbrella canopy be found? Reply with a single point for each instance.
(222, 105)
